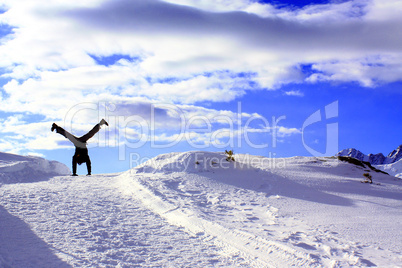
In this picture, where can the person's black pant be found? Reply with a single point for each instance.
(81, 141)
(81, 156)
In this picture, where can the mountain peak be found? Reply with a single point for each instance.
(396, 154)
(374, 159)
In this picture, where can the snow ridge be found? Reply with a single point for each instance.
(234, 205)
(258, 251)
(16, 168)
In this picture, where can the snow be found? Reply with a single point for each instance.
(394, 169)
(196, 209)
(16, 168)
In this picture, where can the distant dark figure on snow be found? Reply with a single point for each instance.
(81, 150)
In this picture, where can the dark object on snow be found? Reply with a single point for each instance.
(81, 150)
(229, 155)
(368, 178)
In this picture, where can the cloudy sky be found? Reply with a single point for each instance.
(272, 78)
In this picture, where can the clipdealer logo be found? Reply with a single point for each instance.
(332, 129)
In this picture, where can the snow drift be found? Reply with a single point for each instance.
(299, 211)
(17, 168)
(394, 169)
(195, 209)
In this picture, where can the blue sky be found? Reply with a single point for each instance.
(272, 78)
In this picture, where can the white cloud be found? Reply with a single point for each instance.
(296, 93)
(367, 71)
(186, 41)
(186, 52)
(283, 131)
(151, 122)
(200, 88)
(21, 136)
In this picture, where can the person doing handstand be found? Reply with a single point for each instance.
(81, 150)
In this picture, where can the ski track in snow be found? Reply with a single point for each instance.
(234, 208)
(237, 220)
(309, 212)
(210, 222)
(86, 222)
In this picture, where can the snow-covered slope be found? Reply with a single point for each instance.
(195, 209)
(394, 169)
(17, 168)
(303, 212)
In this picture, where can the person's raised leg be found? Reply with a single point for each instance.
(64, 133)
(93, 131)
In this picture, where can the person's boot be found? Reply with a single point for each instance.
(54, 126)
(74, 174)
(103, 122)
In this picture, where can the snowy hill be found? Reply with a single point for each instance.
(17, 168)
(390, 164)
(283, 212)
(394, 169)
(196, 209)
